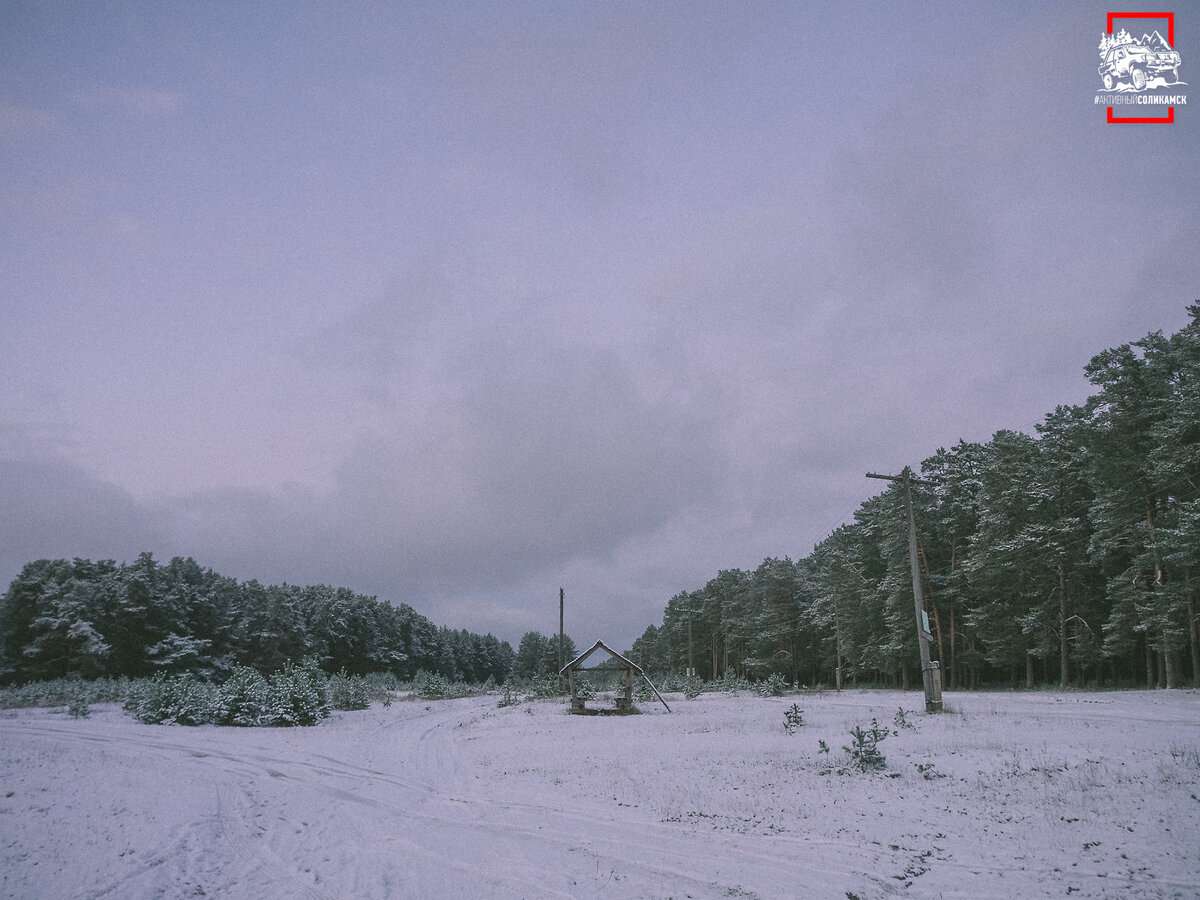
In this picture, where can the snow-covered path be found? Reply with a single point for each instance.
(1012, 795)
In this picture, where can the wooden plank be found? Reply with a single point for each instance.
(656, 693)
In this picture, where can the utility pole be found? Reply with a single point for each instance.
(561, 640)
(691, 660)
(930, 671)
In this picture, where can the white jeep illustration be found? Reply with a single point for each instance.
(1137, 64)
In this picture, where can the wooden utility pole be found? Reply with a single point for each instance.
(561, 639)
(930, 671)
(691, 660)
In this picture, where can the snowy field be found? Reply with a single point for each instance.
(1009, 795)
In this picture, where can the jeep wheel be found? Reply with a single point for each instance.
(1139, 79)
(1109, 81)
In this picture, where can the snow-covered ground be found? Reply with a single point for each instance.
(1009, 795)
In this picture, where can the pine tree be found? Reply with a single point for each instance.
(1129, 500)
(1175, 466)
(949, 526)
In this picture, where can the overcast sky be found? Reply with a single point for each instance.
(456, 303)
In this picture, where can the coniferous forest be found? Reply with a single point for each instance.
(92, 619)
(1067, 558)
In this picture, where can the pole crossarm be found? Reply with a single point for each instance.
(911, 480)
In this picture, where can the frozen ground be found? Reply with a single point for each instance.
(1010, 795)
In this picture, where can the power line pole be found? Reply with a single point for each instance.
(930, 671)
(691, 660)
(561, 640)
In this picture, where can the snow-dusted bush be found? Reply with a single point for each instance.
(429, 686)
(348, 691)
(731, 682)
(773, 686)
(642, 692)
(243, 699)
(382, 681)
(380, 686)
(584, 688)
(670, 682)
(171, 700)
(78, 707)
(299, 695)
(295, 695)
(542, 687)
(61, 691)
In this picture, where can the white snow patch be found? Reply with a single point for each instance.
(1012, 795)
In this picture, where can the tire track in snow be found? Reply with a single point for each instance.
(423, 814)
(214, 850)
(656, 850)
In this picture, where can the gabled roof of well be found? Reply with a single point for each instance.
(600, 645)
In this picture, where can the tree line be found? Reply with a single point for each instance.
(538, 655)
(1068, 557)
(92, 619)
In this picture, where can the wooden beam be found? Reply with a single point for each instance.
(656, 693)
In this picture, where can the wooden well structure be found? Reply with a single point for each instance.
(616, 662)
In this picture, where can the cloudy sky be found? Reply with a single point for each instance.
(458, 303)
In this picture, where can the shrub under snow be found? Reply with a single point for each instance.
(295, 695)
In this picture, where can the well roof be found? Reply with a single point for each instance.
(600, 645)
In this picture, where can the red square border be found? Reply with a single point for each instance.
(1144, 120)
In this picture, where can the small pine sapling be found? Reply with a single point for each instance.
(641, 692)
(793, 718)
(584, 688)
(78, 705)
(864, 749)
(773, 686)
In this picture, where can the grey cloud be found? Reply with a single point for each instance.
(658, 294)
(522, 451)
(579, 101)
(489, 446)
(55, 509)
